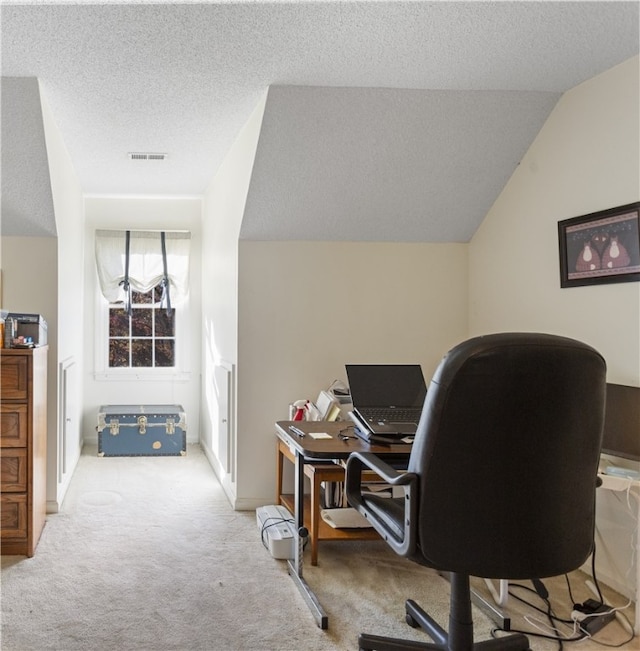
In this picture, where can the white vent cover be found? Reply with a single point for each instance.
(139, 155)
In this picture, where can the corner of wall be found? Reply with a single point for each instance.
(223, 211)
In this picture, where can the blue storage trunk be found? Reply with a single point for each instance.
(141, 431)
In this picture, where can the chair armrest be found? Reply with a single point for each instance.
(371, 461)
(395, 519)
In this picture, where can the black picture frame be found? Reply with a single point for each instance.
(601, 247)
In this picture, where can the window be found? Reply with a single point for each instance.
(146, 337)
(143, 276)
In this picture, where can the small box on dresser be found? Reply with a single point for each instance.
(23, 449)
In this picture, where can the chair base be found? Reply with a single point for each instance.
(460, 635)
(367, 642)
(417, 617)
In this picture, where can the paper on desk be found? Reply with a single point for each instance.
(320, 435)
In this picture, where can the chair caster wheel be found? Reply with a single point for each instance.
(412, 622)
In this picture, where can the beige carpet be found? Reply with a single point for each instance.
(147, 555)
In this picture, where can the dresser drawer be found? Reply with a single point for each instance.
(13, 470)
(14, 425)
(13, 517)
(14, 378)
(23, 449)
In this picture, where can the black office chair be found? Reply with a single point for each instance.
(502, 475)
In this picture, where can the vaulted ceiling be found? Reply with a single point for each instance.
(420, 109)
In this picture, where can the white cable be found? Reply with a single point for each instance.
(624, 622)
(548, 629)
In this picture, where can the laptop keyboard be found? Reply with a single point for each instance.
(398, 415)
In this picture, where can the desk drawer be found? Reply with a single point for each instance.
(14, 425)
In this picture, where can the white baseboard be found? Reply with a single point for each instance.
(223, 477)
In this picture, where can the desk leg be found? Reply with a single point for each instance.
(496, 615)
(279, 469)
(295, 566)
(315, 517)
(501, 597)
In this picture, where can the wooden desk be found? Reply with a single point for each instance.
(318, 528)
(303, 451)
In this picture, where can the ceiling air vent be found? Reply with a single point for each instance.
(139, 155)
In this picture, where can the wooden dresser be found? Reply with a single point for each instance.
(23, 453)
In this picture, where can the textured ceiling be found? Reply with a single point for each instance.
(375, 164)
(24, 161)
(183, 78)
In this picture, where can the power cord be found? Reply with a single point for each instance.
(566, 578)
(596, 609)
(582, 615)
(623, 620)
(541, 592)
(274, 522)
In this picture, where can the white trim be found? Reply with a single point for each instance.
(142, 196)
(103, 373)
(64, 367)
(131, 375)
(224, 428)
(225, 481)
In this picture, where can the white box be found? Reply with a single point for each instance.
(276, 528)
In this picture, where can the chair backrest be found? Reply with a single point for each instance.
(507, 454)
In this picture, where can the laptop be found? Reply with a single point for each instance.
(387, 398)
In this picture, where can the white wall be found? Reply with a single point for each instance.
(586, 158)
(65, 442)
(288, 316)
(43, 275)
(153, 214)
(308, 308)
(32, 288)
(224, 204)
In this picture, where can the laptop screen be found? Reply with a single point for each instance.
(386, 385)
(621, 436)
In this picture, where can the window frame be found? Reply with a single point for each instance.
(104, 372)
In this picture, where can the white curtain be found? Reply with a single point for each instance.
(146, 268)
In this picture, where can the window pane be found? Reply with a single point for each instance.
(118, 352)
(137, 297)
(164, 323)
(165, 352)
(141, 325)
(146, 339)
(118, 323)
(141, 352)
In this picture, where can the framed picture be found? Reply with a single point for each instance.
(602, 247)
